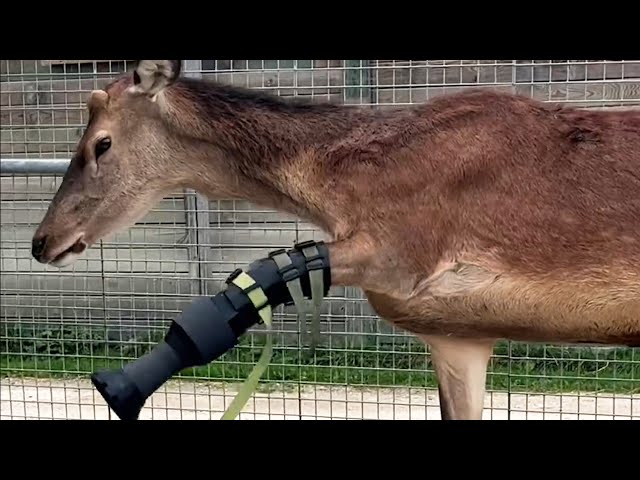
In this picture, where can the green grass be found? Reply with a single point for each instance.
(77, 352)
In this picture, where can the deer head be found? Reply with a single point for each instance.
(122, 166)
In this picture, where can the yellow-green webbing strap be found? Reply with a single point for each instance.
(260, 301)
(316, 279)
(295, 290)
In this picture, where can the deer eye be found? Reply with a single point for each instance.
(102, 146)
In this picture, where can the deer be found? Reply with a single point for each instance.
(469, 218)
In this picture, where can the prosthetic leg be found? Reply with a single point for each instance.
(211, 326)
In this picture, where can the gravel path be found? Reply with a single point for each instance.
(77, 399)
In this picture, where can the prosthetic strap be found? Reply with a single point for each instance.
(261, 303)
(317, 266)
(291, 276)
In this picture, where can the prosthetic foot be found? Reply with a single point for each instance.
(211, 326)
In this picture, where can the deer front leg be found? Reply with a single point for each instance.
(461, 369)
(349, 259)
(460, 363)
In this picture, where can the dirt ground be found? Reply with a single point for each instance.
(77, 399)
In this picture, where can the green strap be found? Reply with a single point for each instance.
(260, 301)
(316, 279)
(295, 290)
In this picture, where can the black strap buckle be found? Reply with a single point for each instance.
(245, 291)
(277, 252)
(302, 245)
(233, 275)
(288, 272)
(314, 262)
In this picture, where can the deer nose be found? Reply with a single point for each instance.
(37, 246)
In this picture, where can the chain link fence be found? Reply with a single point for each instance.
(113, 305)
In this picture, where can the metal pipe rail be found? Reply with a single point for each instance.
(34, 166)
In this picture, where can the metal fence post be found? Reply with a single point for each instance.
(357, 80)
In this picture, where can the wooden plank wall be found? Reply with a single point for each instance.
(45, 113)
(145, 275)
(580, 83)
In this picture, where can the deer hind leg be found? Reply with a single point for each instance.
(461, 369)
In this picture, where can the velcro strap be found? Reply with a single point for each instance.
(255, 293)
(261, 303)
(316, 280)
(286, 268)
(292, 278)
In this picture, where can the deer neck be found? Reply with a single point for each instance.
(262, 150)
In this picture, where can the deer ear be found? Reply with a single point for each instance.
(152, 76)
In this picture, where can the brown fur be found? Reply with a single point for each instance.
(477, 215)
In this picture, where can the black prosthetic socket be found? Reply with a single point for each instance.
(205, 330)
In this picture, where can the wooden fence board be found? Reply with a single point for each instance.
(286, 82)
(238, 211)
(108, 260)
(66, 93)
(154, 250)
(391, 96)
(138, 307)
(42, 117)
(21, 140)
(78, 285)
(72, 93)
(532, 71)
(34, 188)
(24, 212)
(441, 72)
(583, 94)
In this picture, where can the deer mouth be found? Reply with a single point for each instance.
(70, 254)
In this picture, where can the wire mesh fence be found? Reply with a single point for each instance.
(58, 326)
